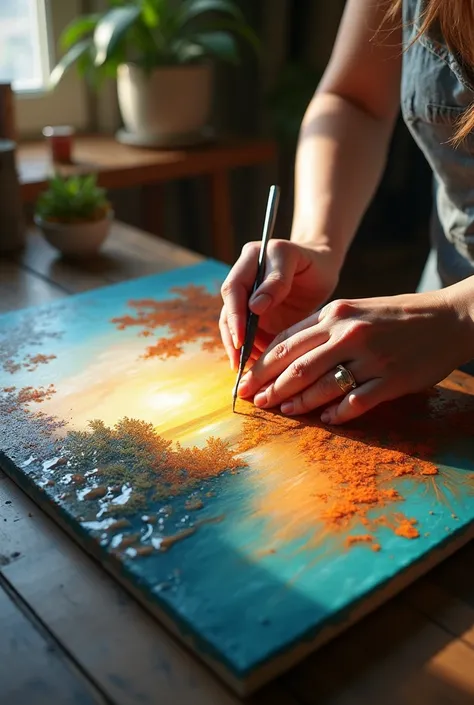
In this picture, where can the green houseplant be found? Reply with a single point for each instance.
(74, 214)
(161, 52)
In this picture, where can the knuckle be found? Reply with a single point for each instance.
(298, 369)
(277, 281)
(249, 248)
(280, 351)
(271, 395)
(227, 288)
(357, 330)
(340, 308)
(278, 245)
(300, 405)
(357, 402)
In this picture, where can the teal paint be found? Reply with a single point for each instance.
(239, 604)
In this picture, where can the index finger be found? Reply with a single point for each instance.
(236, 290)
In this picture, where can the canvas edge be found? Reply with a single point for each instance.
(91, 548)
(279, 664)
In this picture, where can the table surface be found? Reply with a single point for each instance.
(123, 166)
(70, 634)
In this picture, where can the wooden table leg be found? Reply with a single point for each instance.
(153, 207)
(223, 245)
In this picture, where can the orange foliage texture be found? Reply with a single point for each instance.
(189, 317)
(26, 395)
(361, 464)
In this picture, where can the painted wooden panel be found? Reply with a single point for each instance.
(254, 537)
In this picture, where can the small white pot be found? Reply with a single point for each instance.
(76, 239)
(168, 103)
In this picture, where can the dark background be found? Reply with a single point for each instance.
(267, 96)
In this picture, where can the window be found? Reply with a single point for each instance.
(24, 54)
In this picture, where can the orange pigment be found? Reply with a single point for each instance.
(407, 529)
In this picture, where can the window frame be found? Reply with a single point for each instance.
(69, 102)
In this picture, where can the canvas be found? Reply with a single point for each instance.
(254, 537)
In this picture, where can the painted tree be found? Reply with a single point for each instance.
(133, 452)
(190, 316)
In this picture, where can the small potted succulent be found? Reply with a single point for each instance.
(161, 52)
(74, 215)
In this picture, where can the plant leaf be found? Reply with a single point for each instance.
(240, 29)
(185, 51)
(192, 9)
(111, 30)
(78, 28)
(150, 13)
(222, 45)
(74, 53)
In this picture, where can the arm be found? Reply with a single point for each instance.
(346, 131)
(341, 153)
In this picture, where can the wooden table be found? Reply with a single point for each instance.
(70, 634)
(119, 166)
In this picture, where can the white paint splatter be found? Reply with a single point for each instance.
(124, 496)
(147, 533)
(30, 460)
(99, 525)
(48, 465)
(117, 540)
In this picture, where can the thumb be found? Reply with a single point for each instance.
(279, 275)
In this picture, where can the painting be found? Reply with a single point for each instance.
(252, 536)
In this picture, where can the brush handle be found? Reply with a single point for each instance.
(252, 318)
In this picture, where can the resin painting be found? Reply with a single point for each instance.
(252, 536)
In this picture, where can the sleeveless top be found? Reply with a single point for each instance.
(435, 90)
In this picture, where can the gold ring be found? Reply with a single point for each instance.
(345, 379)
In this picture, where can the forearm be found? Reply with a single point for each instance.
(460, 299)
(339, 162)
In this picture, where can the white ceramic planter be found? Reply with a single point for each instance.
(76, 239)
(168, 104)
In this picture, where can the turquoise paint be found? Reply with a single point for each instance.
(239, 606)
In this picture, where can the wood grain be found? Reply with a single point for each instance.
(32, 668)
(395, 657)
(120, 166)
(20, 288)
(416, 650)
(127, 254)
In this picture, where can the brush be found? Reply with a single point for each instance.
(252, 318)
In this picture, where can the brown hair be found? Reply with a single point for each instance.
(455, 19)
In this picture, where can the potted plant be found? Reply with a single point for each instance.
(74, 215)
(161, 52)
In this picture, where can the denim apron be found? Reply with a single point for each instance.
(435, 91)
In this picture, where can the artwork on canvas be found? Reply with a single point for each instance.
(253, 536)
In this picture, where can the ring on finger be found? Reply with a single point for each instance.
(345, 379)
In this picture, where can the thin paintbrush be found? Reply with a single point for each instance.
(252, 318)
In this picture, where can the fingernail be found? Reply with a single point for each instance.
(326, 417)
(260, 399)
(260, 303)
(287, 407)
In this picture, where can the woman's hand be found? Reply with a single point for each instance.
(393, 346)
(298, 279)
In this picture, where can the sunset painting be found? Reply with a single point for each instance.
(253, 536)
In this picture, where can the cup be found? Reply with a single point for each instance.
(60, 138)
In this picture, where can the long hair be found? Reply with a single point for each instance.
(455, 19)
